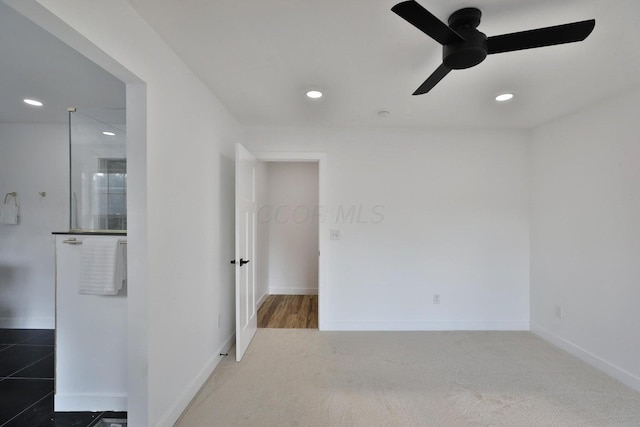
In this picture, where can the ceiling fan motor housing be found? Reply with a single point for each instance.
(470, 52)
(473, 50)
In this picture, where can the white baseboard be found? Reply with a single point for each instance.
(426, 326)
(28, 323)
(293, 291)
(90, 402)
(261, 301)
(173, 414)
(597, 362)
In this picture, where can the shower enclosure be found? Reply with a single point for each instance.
(98, 175)
(91, 319)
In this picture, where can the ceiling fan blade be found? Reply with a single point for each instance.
(559, 34)
(433, 80)
(426, 22)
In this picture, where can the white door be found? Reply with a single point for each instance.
(246, 212)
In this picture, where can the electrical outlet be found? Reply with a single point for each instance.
(558, 311)
(436, 298)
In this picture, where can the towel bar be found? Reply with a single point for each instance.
(74, 241)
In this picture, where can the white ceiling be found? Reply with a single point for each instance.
(259, 57)
(34, 64)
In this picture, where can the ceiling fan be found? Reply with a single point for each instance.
(463, 46)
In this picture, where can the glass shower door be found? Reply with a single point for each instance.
(98, 176)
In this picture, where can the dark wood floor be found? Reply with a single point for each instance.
(289, 311)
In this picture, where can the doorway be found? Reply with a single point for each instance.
(289, 222)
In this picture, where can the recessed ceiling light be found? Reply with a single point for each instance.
(314, 94)
(108, 133)
(33, 102)
(504, 97)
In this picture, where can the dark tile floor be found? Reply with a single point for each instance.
(26, 383)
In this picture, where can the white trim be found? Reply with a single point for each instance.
(289, 156)
(28, 323)
(323, 227)
(597, 362)
(261, 301)
(293, 291)
(92, 402)
(453, 325)
(175, 411)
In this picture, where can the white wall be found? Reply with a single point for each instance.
(182, 203)
(291, 215)
(33, 158)
(585, 235)
(91, 356)
(420, 213)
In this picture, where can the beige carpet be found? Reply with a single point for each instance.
(297, 377)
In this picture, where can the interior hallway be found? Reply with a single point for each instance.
(289, 311)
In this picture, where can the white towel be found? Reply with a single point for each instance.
(121, 264)
(103, 266)
(9, 212)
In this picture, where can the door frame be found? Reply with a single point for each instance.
(323, 222)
